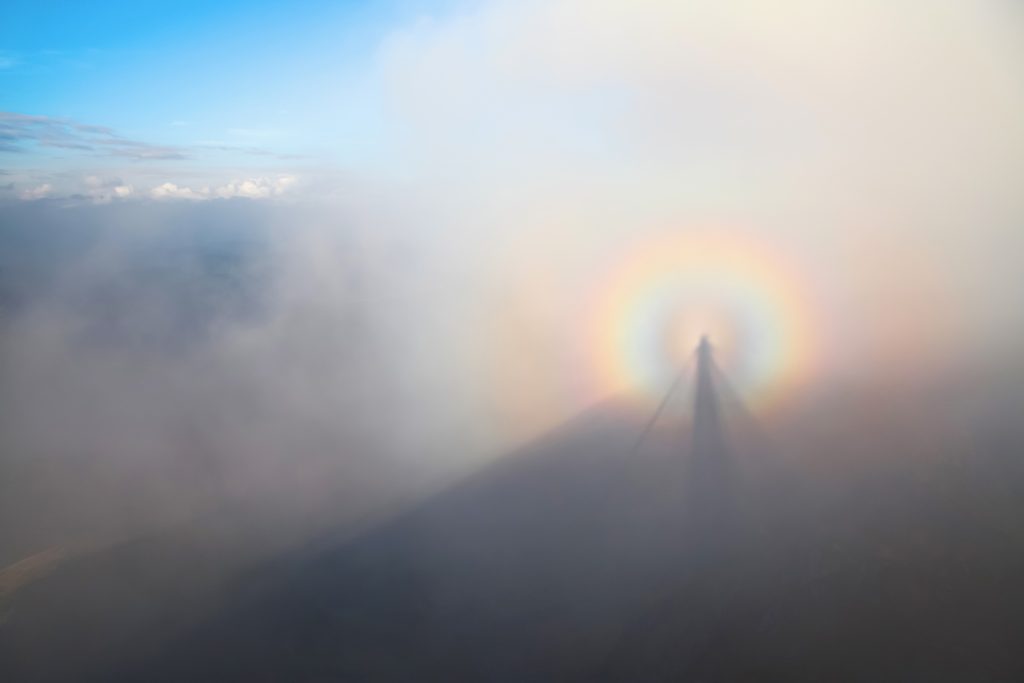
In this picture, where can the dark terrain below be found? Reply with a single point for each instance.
(578, 559)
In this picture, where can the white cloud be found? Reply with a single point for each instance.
(256, 188)
(251, 188)
(37, 192)
(173, 191)
(103, 190)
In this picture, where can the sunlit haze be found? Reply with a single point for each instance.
(290, 273)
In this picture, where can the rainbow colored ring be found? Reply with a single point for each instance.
(664, 294)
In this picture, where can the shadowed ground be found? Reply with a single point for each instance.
(698, 556)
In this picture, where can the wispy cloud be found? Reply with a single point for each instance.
(26, 133)
(245, 149)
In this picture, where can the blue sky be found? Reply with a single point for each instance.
(247, 84)
(697, 97)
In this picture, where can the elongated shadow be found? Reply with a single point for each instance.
(708, 486)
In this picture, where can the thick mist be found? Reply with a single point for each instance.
(877, 145)
(160, 361)
(429, 367)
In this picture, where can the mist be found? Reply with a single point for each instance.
(440, 356)
(160, 360)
